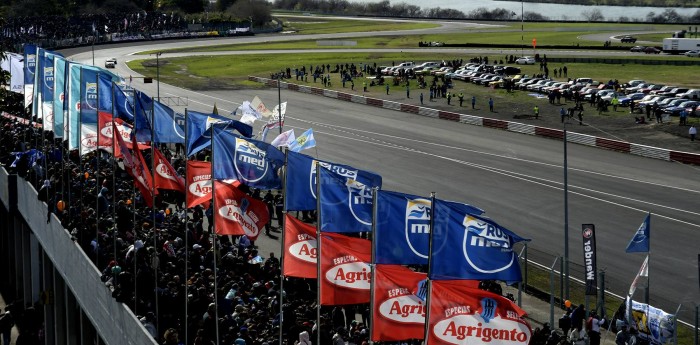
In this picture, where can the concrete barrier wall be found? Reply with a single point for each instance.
(114, 321)
(4, 188)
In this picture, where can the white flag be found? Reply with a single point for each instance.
(643, 272)
(284, 139)
(258, 105)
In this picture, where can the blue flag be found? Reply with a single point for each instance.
(142, 116)
(38, 82)
(640, 242)
(402, 229)
(166, 129)
(72, 104)
(59, 95)
(469, 246)
(88, 93)
(198, 136)
(104, 97)
(252, 162)
(29, 69)
(47, 84)
(301, 180)
(123, 105)
(33, 154)
(305, 141)
(346, 204)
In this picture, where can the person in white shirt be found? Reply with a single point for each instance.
(578, 336)
(594, 331)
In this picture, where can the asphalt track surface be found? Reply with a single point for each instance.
(517, 179)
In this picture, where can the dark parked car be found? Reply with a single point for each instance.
(628, 39)
(651, 50)
(637, 49)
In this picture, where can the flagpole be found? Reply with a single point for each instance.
(133, 208)
(114, 167)
(430, 261)
(283, 227)
(80, 142)
(213, 229)
(98, 188)
(153, 206)
(646, 291)
(318, 252)
(372, 290)
(187, 246)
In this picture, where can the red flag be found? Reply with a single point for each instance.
(238, 213)
(460, 314)
(398, 313)
(142, 176)
(345, 269)
(106, 131)
(300, 241)
(198, 183)
(166, 177)
(129, 159)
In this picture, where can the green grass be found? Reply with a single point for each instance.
(226, 72)
(328, 25)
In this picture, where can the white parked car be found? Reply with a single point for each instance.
(525, 60)
(692, 53)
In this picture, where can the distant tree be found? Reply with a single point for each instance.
(623, 19)
(671, 16)
(594, 15)
(534, 17)
(259, 10)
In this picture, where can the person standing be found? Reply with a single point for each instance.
(491, 104)
(621, 337)
(421, 98)
(537, 112)
(364, 86)
(408, 91)
(692, 132)
(473, 102)
(387, 88)
(594, 331)
(461, 98)
(562, 113)
(449, 97)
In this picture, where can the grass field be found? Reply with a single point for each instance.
(328, 25)
(227, 72)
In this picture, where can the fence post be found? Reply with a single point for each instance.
(527, 264)
(551, 292)
(602, 294)
(561, 282)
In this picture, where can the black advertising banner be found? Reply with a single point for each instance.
(589, 260)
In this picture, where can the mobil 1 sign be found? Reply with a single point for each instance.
(589, 259)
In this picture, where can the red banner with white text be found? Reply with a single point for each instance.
(165, 175)
(460, 314)
(300, 243)
(399, 305)
(237, 213)
(345, 269)
(198, 183)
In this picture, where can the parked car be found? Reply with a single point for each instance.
(692, 53)
(690, 94)
(525, 60)
(424, 65)
(636, 88)
(651, 88)
(675, 91)
(628, 39)
(663, 89)
(637, 49)
(651, 50)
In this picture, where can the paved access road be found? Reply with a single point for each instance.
(516, 178)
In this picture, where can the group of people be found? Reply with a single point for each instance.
(158, 260)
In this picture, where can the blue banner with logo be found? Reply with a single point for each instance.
(640, 242)
(468, 246)
(29, 69)
(47, 81)
(59, 88)
(198, 135)
(104, 96)
(166, 129)
(123, 105)
(252, 162)
(301, 179)
(73, 104)
(346, 204)
(402, 229)
(143, 106)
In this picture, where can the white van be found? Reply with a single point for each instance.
(690, 94)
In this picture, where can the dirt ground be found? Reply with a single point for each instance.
(518, 106)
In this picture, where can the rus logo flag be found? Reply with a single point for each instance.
(301, 179)
(346, 204)
(402, 230)
(302, 251)
(345, 271)
(640, 242)
(468, 246)
(238, 213)
(461, 314)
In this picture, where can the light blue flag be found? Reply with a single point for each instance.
(59, 85)
(47, 89)
(304, 141)
(640, 242)
(73, 105)
(38, 81)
